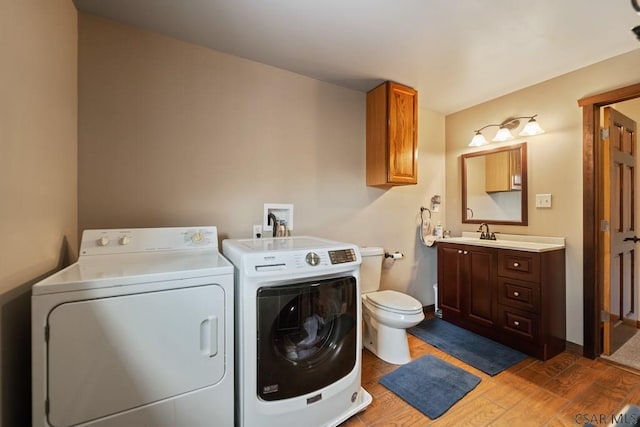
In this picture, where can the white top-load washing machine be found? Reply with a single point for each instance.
(137, 332)
(298, 331)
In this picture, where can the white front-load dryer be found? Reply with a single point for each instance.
(138, 332)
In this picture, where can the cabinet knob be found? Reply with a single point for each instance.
(516, 264)
(515, 322)
(516, 294)
(465, 252)
(459, 251)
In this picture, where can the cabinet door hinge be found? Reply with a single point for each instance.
(46, 406)
(604, 225)
(46, 333)
(604, 133)
(604, 316)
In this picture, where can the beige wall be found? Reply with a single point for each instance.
(38, 142)
(555, 159)
(173, 134)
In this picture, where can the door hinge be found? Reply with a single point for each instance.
(604, 316)
(46, 333)
(604, 225)
(46, 406)
(604, 133)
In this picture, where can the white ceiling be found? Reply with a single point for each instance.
(455, 53)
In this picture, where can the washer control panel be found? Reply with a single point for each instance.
(300, 261)
(341, 256)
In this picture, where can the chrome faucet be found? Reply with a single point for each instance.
(486, 235)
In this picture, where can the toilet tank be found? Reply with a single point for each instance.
(371, 268)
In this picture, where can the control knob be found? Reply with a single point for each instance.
(103, 241)
(124, 240)
(312, 259)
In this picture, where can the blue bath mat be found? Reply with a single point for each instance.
(430, 385)
(482, 353)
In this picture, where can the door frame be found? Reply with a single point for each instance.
(592, 297)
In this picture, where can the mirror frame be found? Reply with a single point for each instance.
(524, 217)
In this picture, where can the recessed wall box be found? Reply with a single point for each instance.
(282, 211)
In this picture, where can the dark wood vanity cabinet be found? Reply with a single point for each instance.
(514, 297)
(469, 296)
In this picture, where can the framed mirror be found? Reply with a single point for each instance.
(494, 186)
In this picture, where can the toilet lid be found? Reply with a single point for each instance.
(395, 301)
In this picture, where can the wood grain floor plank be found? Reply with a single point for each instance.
(567, 390)
(534, 410)
(476, 412)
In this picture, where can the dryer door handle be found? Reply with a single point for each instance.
(209, 336)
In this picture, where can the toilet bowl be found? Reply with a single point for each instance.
(386, 314)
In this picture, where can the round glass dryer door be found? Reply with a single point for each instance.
(307, 336)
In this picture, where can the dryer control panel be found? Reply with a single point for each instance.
(131, 240)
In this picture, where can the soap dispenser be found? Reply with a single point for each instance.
(438, 230)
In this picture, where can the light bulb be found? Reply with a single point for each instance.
(478, 140)
(503, 134)
(531, 128)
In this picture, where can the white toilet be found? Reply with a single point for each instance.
(386, 314)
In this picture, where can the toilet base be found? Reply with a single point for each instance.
(389, 344)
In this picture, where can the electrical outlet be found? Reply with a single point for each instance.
(543, 200)
(257, 231)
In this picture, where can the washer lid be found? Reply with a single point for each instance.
(395, 301)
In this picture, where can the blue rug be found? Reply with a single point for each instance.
(482, 353)
(430, 385)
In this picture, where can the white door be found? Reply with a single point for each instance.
(112, 354)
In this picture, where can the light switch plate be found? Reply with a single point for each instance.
(543, 200)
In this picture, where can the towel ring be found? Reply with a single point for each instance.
(422, 209)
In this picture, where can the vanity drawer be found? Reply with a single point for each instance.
(514, 322)
(519, 294)
(519, 265)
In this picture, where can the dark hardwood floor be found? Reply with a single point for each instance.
(567, 390)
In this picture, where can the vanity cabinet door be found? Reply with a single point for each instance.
(480, 292)
(467, 284)
(450, 278)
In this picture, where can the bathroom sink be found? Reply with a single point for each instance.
(516, 242)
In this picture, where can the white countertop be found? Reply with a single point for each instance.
(518, 242)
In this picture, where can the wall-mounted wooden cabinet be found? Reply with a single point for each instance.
(392, 135)
(503, 172)
(514, 297)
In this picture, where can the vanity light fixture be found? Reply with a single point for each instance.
(504, 132)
